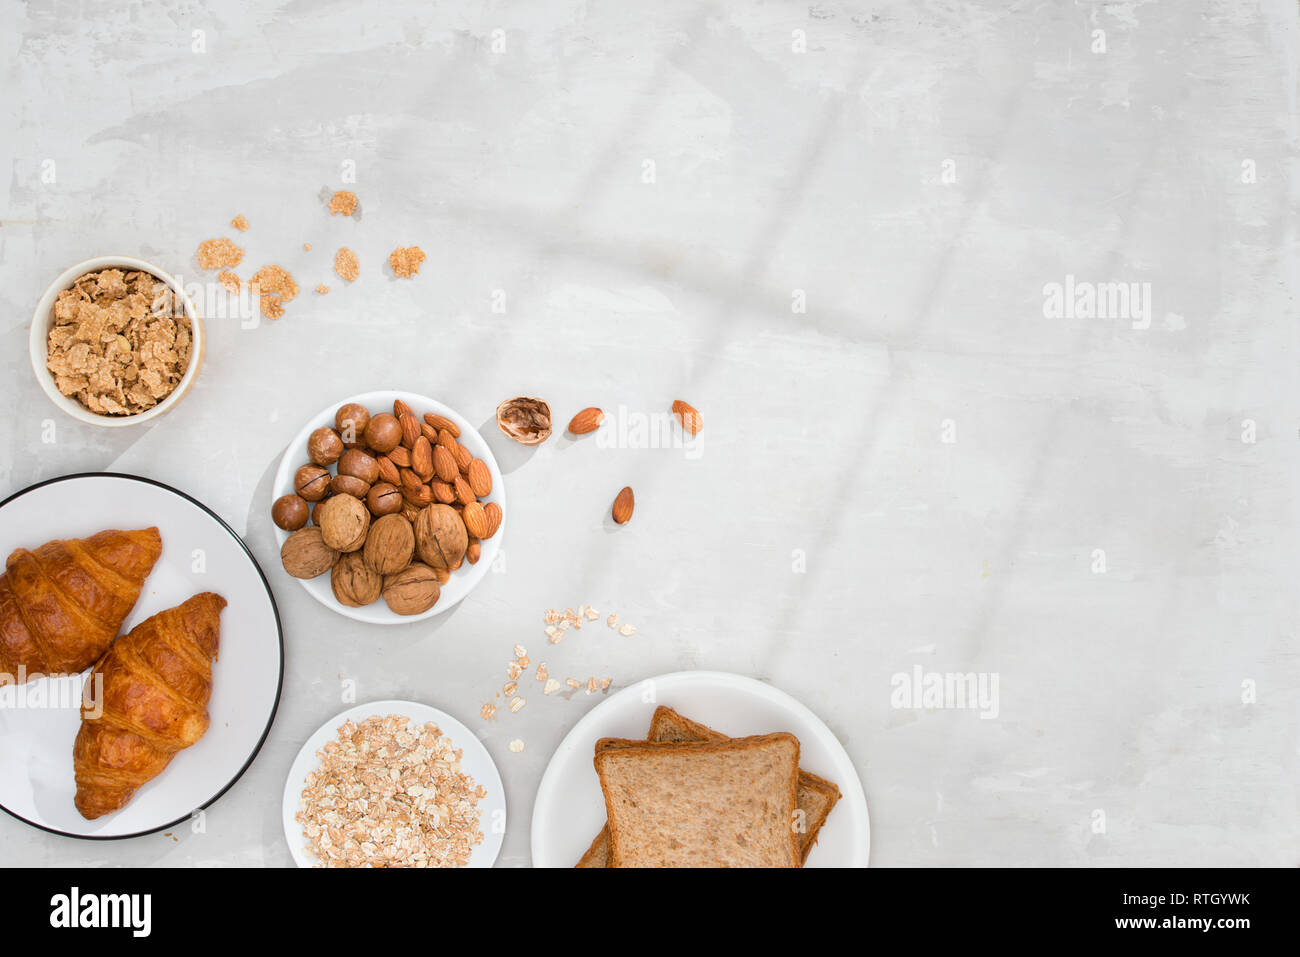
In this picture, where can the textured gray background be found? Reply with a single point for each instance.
(521, 170)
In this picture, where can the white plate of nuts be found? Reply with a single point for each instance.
(389, 507)
(394, 784)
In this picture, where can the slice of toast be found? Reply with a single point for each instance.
(817, 796)
(725, 803)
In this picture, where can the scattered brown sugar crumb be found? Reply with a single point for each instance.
(118, 345)
(275, 287)
(343, 203)
(406, 260)
(346, 264)
(322, 289)
(307, 246)
(219, 254)
(239, 222)
(229, 280)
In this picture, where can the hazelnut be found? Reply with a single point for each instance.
(351, 421)
(312, 482)
(290, 512)
(344, 521)
(390, 544)
(358, 463)
(440, 536)
(349, 485)
(304, 554)
(383, 434)
(527, 421)
(324, 446)
(354, 582)
(383, 499)
(412, 591)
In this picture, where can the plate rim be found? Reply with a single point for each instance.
(289, 780)
(747, 681)
(279, 631)
(285, 468)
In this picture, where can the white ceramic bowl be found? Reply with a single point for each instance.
(43, 320)
(464, 578)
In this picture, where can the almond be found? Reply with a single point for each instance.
(444, 464)
(475, 519)
(400, 409)
(446, 439)
(422, 459)
(623, 505)
(429, 432)
(388, 471)
(688, 416)
(464, 458)
(443, 492)
(474, 550)
(493, 512)
(479, 478)
(413, 490)
(441, 422)
(464, 494)
(401, 457)
(588, 420)
(410, 430)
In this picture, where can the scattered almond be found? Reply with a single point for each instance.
(688, 416)
(588, 420)
(623, 506)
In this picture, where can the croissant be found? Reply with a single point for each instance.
(153, 702)
(62, 605)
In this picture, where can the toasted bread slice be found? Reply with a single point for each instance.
(725, 803)
(817, 796)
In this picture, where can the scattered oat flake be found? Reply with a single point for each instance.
(612, 621)
(516, 746)
(229, 280)
(513, 670)
(219, 254)
(516, 704)
(542, 673)
(592, 614)
(239, 222)
(524, 662)
(509, 688)
(556, 635)
(307, 246)
(551, 616)
(346, 264)
(605, 683)
(322, 289)
(551, 686)
(521, 651)
(488, 711)
(591, 686)
(573, 682)
(405, 261)
(627, 630)
(343, 203)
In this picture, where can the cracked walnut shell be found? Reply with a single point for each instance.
(412, 591)
(354, 582)
(526, 420)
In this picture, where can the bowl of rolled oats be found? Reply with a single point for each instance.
(116, 341)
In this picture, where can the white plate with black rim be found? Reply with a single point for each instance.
(475, 762)
(569, 810)
(464, 578)
(39, 720)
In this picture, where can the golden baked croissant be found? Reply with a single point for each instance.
(154, 702)
(62, 605)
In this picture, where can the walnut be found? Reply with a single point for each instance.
(389, 544)
(344, 521)
(527, 421)
(354, 582)
(305, 554)
(411, 591)
(440, 536)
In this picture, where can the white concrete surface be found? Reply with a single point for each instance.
(1100, 512)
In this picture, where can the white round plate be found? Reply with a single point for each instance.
(569, 810)
(464, 578)
(475, 761)
(36, 779)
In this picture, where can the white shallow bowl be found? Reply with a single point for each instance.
(570, 811)
(475, 761)
(43, 321)
(36, 776)
(464, 578)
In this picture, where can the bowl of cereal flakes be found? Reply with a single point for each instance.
(116, 341)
